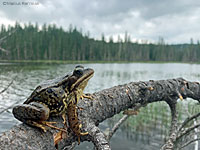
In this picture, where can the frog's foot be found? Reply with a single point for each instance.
(86, 96)
(64, 119)
(36, 124)
(49, 124)
(79, 136)
(85, 133)
(79, 108)
(58, 137)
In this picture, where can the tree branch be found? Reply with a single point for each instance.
(98, 138)
(196, 144)
(9, 34)
(169, 145)
(126, 115)
(4, 50)
(188, 120)
(7, 87)
(188, 143)
(4, 38)
(188, 130)
(116, 126)
(106, 104)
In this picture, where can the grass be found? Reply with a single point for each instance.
(156, 117)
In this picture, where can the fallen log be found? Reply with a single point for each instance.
(106, 104)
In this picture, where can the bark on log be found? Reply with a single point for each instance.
(106, 104)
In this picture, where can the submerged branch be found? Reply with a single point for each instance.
(188, 131)
(188, 143)
(106, 104)
(7, 87)
(188, 120)
(116, 126)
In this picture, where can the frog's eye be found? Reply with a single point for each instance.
(79, 67)
(78, 72)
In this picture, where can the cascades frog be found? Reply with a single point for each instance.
(53, 98)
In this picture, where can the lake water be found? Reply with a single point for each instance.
(27, 76)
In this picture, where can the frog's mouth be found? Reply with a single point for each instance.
(82, 81)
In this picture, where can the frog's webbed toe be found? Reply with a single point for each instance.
(36, 124)
(49, 124)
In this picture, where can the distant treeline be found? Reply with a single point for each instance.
(52, 43)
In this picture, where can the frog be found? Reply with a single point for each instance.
(52, 98)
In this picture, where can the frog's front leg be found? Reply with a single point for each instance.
(86, 96)
(34, 114)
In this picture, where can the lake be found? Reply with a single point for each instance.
(27, 76)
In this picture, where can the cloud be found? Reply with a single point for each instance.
(4, 20)
(177, 21)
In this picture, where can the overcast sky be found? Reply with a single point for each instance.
(177, 21)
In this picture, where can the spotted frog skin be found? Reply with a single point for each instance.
(53, 98)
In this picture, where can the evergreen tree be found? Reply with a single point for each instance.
(54, 43)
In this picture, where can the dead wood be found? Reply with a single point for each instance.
(106, 104)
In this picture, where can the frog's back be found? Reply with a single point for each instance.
(46, 85)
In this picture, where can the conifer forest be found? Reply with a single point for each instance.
(49, 42)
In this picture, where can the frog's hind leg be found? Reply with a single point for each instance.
(31, 113)
(34, 114)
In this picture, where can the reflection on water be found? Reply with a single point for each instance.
(147, 128)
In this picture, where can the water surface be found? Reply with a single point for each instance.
(27, 76)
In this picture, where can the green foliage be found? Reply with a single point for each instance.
(53, 43)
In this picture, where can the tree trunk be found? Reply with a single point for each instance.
(105, 104)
